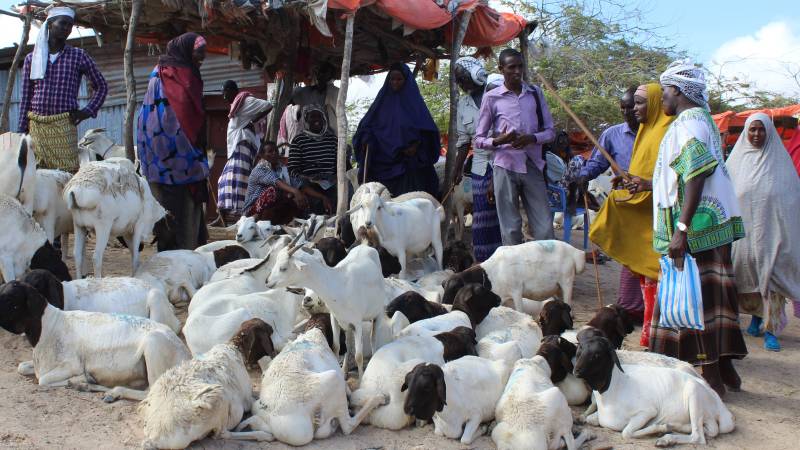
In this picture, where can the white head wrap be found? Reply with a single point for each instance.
(475, 69)
(494, 80)
(689, 79)
(41, 50)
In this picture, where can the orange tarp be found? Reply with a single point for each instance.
(732, 119)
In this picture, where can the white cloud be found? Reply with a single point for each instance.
(11, 32)
(762, 58)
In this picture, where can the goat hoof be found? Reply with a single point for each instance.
(108, 398)
(664, 442)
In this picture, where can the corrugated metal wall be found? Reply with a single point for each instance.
(216, 69)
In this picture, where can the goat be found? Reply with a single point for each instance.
(354, 290)
(96, 146)
(333, 250)
(472, 304)
(532, 414)
(179, 273)
(555, 317)
(644, 400)
(111, 200)
(508, 335)
(414, 306)
(105, 349)
(113, 295)
(459, 396)
(18, 169)
(24, 244)
(403, 229)
(535, 270)
(49, 207)
(303, 394)
(207, 395)
(457, 257)
(386, 371)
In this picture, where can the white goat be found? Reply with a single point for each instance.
(18, 168)
(105, 349)
(111, 200)
(643, 400)
(532, 414)
(303, 394)
(403, 229)
(96, 144)
(535, 270)
(354, 289)
(202, 396)
(49, 207)
(508, 335)
(113, 295)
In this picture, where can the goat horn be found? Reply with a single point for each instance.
(352, 210)
(295, 239)
(294, 250)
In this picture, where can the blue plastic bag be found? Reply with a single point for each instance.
(680, 298)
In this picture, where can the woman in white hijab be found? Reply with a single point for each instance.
(767, 260)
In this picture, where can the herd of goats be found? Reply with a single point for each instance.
(474, 348)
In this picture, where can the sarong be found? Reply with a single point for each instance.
(722, 335)
(55, 142)
(485, 225)
(233, 180)
(649, 290)
(630, 295)
(274, 205)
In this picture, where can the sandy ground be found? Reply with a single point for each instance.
(33, 417)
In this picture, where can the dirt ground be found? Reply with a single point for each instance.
(767, 410)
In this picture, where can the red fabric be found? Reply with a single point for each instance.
(237, 103)
(729, 119)
(185, 94)
(487, 27)
(793, 147)
(649, 289)
(421, 14)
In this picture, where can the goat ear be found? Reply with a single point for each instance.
(441, 391)
(265, 340)
(566, 317)
(621, 326)
(566, 363)
(614, 357)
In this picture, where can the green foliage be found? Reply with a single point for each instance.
(437, 96)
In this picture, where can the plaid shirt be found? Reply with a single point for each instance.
(58, 91)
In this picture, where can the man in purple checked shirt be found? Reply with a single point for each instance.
(514, 121)
(51, 78)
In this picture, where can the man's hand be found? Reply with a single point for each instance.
(638, 184)
(76, 116)
(301, 200)
(678, 247)
(505, 138)
(523, 140)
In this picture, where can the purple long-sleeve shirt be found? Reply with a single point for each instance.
(503, 110)
(58, 91)
(618, 141)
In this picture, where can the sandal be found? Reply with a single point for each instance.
(755, 326)
(771, 342)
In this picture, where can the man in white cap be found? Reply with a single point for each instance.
(51, 80)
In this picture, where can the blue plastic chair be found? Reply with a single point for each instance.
(557, 197)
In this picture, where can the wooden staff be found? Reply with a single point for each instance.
(594, 254)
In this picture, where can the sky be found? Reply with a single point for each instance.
(755, 41)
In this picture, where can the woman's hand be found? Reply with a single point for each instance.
(638, 184)
(677, 248)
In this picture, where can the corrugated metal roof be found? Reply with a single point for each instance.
(109, 58)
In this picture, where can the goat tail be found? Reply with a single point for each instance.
(440, 212)
(72, 202)
(22, 163)
(580, 260)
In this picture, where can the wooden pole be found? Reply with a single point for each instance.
(130, 80)
(460, 29)
(12, 72)
(523, 48)
(341, 117)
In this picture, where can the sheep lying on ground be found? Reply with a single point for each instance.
(111, 200)
(386, 371)
(560, 356)
(117, 295)
(24, 244)
(179, 273)
(414, 306)
(459, 397)
(506, 334)
(532, 414)
(535, 270)
(207, 395)
(644, 400)
(304, 394)
(103, 349)
(472, 304)
(555, 317)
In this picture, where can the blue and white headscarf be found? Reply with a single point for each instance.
(475, 68)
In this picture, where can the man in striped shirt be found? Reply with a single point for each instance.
(312, 157)
(51, 78)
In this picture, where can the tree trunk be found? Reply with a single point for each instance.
(341, 116)
(12, 72)
(458, 37)
(130, 80)
(523, 48)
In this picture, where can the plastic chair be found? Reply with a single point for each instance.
(557, 197)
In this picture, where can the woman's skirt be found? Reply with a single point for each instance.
(485, 225)
(274, 205)
(232, 187)
(722, 336)
(630, 294)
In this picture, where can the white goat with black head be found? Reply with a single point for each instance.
(354, 290)
(403, 228)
